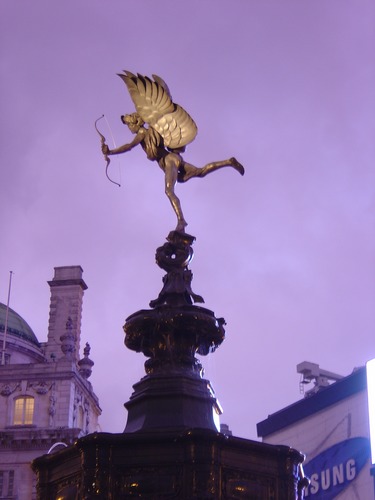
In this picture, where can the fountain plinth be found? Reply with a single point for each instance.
(174, 395)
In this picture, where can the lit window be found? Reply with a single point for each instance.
(23, 411)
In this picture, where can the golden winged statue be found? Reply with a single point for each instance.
(169, 129)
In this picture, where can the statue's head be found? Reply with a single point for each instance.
(133, 121)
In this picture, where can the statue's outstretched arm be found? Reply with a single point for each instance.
(125, 147)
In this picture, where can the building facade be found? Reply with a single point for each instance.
(46, 400)
(331, 427)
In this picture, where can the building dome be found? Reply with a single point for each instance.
(17, 326)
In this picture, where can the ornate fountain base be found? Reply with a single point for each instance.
(173, 394)
(171, 447)
(176, 404)
(194, 465)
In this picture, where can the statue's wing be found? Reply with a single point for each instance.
(153, 102)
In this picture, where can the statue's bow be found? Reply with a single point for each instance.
(106, 157)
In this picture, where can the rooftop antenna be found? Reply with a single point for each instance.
(312, 372)
(6, 320)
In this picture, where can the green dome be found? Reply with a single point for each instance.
(17, 326)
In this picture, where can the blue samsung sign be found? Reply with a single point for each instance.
(334, 469)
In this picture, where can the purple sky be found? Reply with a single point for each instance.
(285, 254)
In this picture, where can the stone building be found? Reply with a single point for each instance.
(46, 400)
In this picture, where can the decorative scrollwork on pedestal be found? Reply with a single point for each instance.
(174, 257)
(174, 393)
(171, 336)
(175, 330)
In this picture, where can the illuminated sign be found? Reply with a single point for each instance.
(370, 370)
(334, 469)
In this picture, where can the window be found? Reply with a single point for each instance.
(6, 483)
(10, 483)
(23, 411)
(80, 417)
(6, 358)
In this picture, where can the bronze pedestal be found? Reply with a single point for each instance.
(171, 447)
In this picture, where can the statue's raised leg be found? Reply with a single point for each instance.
(190, 171)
